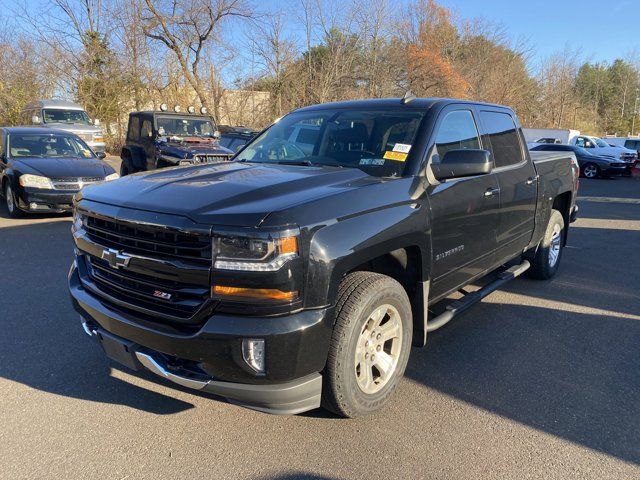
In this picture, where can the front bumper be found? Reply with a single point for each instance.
(41, 200)
(210, 358)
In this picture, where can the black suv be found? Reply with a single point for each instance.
(166, 139)
(234, 138)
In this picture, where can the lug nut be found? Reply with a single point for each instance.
(366, 355)
(378, 348)
(366, 344)
(379, 337)
(373, 357)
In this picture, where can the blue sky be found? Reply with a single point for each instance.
(599, 30)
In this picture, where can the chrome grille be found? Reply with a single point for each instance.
(74, 183)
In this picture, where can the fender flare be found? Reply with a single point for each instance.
(136, 160)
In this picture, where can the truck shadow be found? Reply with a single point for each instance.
(568, 374)
(42, 344)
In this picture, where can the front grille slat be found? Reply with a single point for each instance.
(164, 295)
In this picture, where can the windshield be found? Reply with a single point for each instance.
(375, 141)
(184, 127)
(600, 142)
(47, 145)
(66, 116)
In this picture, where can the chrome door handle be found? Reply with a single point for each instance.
(532, 180)
(490, 192)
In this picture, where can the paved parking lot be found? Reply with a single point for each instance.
(541, 380)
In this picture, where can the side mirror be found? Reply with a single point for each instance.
(462, 163)
(216, 135)
(96, 122)
(35, 120)
(101, 155)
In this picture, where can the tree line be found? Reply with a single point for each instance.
(115, 56)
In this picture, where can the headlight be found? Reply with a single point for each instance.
(113, 176)
(184, 162)
(35, 181)
(252, 253)
(98, 137)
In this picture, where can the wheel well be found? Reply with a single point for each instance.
(562, 203)
(405, 266)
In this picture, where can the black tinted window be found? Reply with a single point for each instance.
(457, 131)
(134, 128)
(503, 136)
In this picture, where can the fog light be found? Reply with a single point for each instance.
(253, 354)
(33, 206)
(184, 162)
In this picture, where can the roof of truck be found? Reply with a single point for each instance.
(420, 103)
(66, 104)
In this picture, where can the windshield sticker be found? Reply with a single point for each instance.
(372, 161)
(401, 147)
(397, 156)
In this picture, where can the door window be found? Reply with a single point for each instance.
(146, 130)
(504, 139)
(457, 131)
(134, 129)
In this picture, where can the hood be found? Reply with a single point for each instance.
(77, 128)
(190, 146)
(63, 167)
(233, 193)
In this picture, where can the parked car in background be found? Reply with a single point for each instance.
(42, 169)
(67, 116)
(158, 139)
(549, 135)
(234, 138)
(599, 147)
(300, 274)
(632, 144)
(591, 166)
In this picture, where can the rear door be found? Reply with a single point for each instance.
(517, 180)
(464, 210)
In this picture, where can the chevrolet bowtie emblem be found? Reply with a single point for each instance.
(115, 258)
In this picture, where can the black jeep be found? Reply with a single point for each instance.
(166, 139)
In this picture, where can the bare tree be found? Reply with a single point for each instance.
(186, 27)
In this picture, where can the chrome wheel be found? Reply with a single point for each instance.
(590, 171)
(554, 247)
(9, 198)
(378, 349)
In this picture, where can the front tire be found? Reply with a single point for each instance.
(10, 202)
(370, 345)
(547, 258)
(590, 170)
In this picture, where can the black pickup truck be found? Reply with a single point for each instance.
(300, 276)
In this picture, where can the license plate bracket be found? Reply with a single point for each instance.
(119, 350)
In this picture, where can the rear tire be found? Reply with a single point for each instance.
(370, 345)
(547, 258)
(590, 170)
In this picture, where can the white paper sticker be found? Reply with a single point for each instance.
(401, 147)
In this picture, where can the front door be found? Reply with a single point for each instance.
(464, 210)
(517, 180)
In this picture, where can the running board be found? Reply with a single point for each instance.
(470, 299)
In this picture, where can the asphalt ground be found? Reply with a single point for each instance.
(540, 380)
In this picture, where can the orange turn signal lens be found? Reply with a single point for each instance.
(253, 293)
(288, 245)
